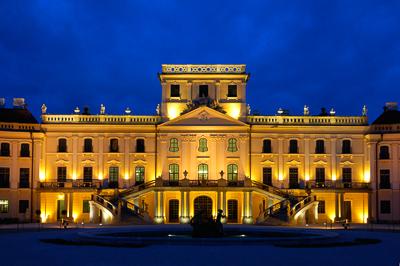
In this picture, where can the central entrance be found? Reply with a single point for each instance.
(204, 204)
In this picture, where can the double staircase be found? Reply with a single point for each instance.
(288, 210)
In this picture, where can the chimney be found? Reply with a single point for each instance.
(390, 106)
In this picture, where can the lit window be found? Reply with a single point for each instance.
(139, 175)
(232, 147)
(3, 206)
(203, 171)
(173, 145)
(85, 206)
(113, 175)
(203, 145)
(232, 173)
(174, 172)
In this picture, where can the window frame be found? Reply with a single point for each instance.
(232, 176)
(140, 174)
(5, 152)
(5, 180)
(346, 149)
(23, 152)
(24, 179)
(384, 154)
(267, 148)
(112, 148)
(203, 145)
(4, 206)
(173, 145)
(62, 145)
(232, 145)
(87, 148)
(293, 149)
(140, 145)
(202, 87)
(202, 171)
(173, 172)
(230, 87)
(320, 146)
(172, 89)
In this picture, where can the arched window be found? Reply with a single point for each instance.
(62, 145)
(232, 173)
(203, 145)
(346, 146)
(267, 146)
(320, 146)
(173, 172)
(384, 153)
(203, 171)
(139, 175)
(173, 145)
(232, 145)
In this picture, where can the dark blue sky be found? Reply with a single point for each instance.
(321, 53)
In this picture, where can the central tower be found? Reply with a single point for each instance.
(222, 87)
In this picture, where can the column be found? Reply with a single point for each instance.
(247, 207)
(223, 207)
(70, 205)
(337, 214)
(189, 90)
(100, 158)
(188, 204)
(74, 157)
(306, 159)
(126, 174)
(184, 217)
(333, 159)
(280, 161)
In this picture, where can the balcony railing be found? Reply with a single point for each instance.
(337, 185)
(100, 119)
(308, 120)
(78, 183)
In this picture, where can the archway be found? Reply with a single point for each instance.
(204, 204)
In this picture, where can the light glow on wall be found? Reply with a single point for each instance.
(280, 176)
(367, 176)
(42, 175)
(173, 110)
(74, 175)
(100, 176)
(333, 176)
(126, 176)
(307, 177)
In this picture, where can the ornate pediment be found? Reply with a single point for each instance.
(268, 162)
(204, 116)
(320, 162)
(347, 162)
(62, 161)
(293, 162)
(113, 162)
(139, 161)
(87, 161)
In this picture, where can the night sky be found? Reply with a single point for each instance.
(340, 54)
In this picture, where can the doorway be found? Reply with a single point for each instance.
(204, 204)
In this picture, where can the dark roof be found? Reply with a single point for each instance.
(388, 117)
(17, 115)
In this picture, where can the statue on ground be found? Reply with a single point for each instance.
(205, 226)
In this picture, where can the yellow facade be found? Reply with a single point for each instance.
(203, 148)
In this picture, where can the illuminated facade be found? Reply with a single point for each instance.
(202, 150)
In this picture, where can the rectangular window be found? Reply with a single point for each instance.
(113, 145)
(385, 207)
(320, 177)
(24, 150)
(87, 145)
(347, 177)
(346, 146)
(24, 177)
(293, 148)
(267, 176)
(23, 206)
(140, 145)
(61, 174)
(175, 90)
(62, 145)
(320, 146)
(5, 149)
(384, 179)
(113, 173)
(267, 146)
(4, 206)
(232, 90)
(203, 91)
(139, 175)
(87, 174)
(4, 177)
(85, 206)
(293, 178)
(321, 206)
(384, 153)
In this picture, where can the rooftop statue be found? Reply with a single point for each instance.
(364, 110)
(102, 109)
(44, 109)
(306, 110)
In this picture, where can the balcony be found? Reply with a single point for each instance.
(337, 185)
(71, 184)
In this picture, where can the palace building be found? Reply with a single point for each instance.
(202, 150)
